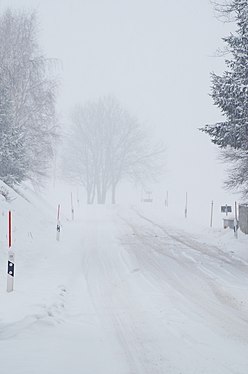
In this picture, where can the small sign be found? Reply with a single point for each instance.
(226, 209)
(11, 269)
(148, 198)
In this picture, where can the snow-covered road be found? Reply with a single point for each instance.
(128, 295)
(167, 303)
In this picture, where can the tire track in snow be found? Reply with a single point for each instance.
(118, 304)
(200, 279)
(153, 316)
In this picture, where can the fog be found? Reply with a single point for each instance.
(156, 283)
(156, 58)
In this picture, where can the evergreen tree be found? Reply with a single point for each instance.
(230, 91)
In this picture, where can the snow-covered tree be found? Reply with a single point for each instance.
(237, 170)
(11, 160)
(107, 145)
(27, 100)
(230, 90)
(230, 94)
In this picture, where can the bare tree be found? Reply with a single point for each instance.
(106, 146)
(27, 95)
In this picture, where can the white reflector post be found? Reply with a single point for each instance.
(72, 208)
(58, 224)
(11, 258)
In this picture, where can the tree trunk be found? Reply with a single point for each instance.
(88, 198)
(104, 194)
(90, 193)
(99, 193)
(88, 190)
(93, 194)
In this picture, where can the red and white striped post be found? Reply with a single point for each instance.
(11, 257)
(72, 208)
(58, 224)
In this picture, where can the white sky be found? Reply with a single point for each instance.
(156, 57)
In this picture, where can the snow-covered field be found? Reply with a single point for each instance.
(126, 290)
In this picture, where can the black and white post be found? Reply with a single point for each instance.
(58, 224)
(11, 257)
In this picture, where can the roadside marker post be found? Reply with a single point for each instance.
(78, 198)
(167, 200)
(72, 209)
(236, 225)
(58, 224)
(186, 206)
(11, 257)
(211, 216)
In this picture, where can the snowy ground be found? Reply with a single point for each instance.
(124, 291)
